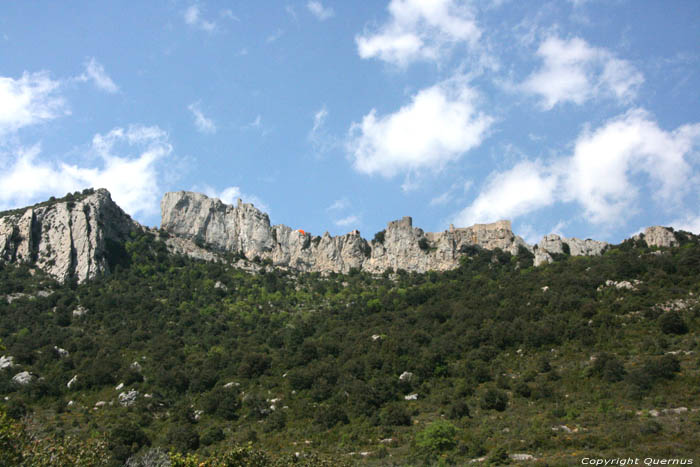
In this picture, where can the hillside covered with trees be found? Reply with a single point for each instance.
(169, 358)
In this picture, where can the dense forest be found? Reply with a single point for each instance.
(173, 361)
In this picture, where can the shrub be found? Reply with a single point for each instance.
(436, 438)
(423, 244)
(523, 389)
(395, 415)
(459, 409)
(494, 399)
(379, 236)
(671, 322)
(183, 437)
(608, 367)
(212, 435)
(328, 417)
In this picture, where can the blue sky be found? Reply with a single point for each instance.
(578, 117)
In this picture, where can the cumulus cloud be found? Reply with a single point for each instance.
(96, 73)
(439, 125)
(128, 168)
(193, 17)
(606, 174)
(419, 30)
(321, 12)
(31, 99)
(599, 173)
(526, 187)
(573, 71)
(203, 124)
(231, 195)
(688, 223)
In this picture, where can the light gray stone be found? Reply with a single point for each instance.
(23, 378)
(657, 235)
(6, 362)
(66, 239)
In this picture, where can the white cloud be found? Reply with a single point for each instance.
(599, 173)
(420, 30)
(605, 174)
(227, 13)
(193, 17)
(688, 223)
(526, 187)
(321, 12)
(574, 71)
(319, 138)
(31, 99)
(346, 221)
(95, 71)
(339, 205)
(439, 125)
(132, 179)
(319, 119)
(232, 194)
(203, 124)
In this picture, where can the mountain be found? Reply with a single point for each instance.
(73, 237)
(189, 359)
(82, 236)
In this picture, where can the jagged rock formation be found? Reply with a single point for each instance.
(81, 236)
(246, 230)
(657, 235)
(554, 244)
(67, 238)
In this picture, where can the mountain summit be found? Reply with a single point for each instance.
(81, 236)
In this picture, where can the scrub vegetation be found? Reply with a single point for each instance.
(218, 366)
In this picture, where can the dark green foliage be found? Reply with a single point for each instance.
(126, 439)
(329, 416)
(395, 415)
(423, 244)
(379, 236)
(212, 435)
(608, 367)
(459, 409)
(436, 438)
(479, 339)
(566, 249)
(671, 322)
(183, 438)
(494, 399)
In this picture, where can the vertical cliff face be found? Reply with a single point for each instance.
(67, 239)
(244, 229)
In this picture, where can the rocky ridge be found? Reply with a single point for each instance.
(246, 230)
(69, 238)
(78, 237)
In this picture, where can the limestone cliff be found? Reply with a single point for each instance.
(554, 244)
(67, 238)
(79, 236)
(246, 230)
(657, 235)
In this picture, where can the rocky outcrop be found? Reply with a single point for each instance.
(82, 236)
(245, 230)
(554, 244)
(68, 238)
(658, 236)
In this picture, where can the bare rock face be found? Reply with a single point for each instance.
(554, 244)
(66, 239)
(245, 230)
(659, 236)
